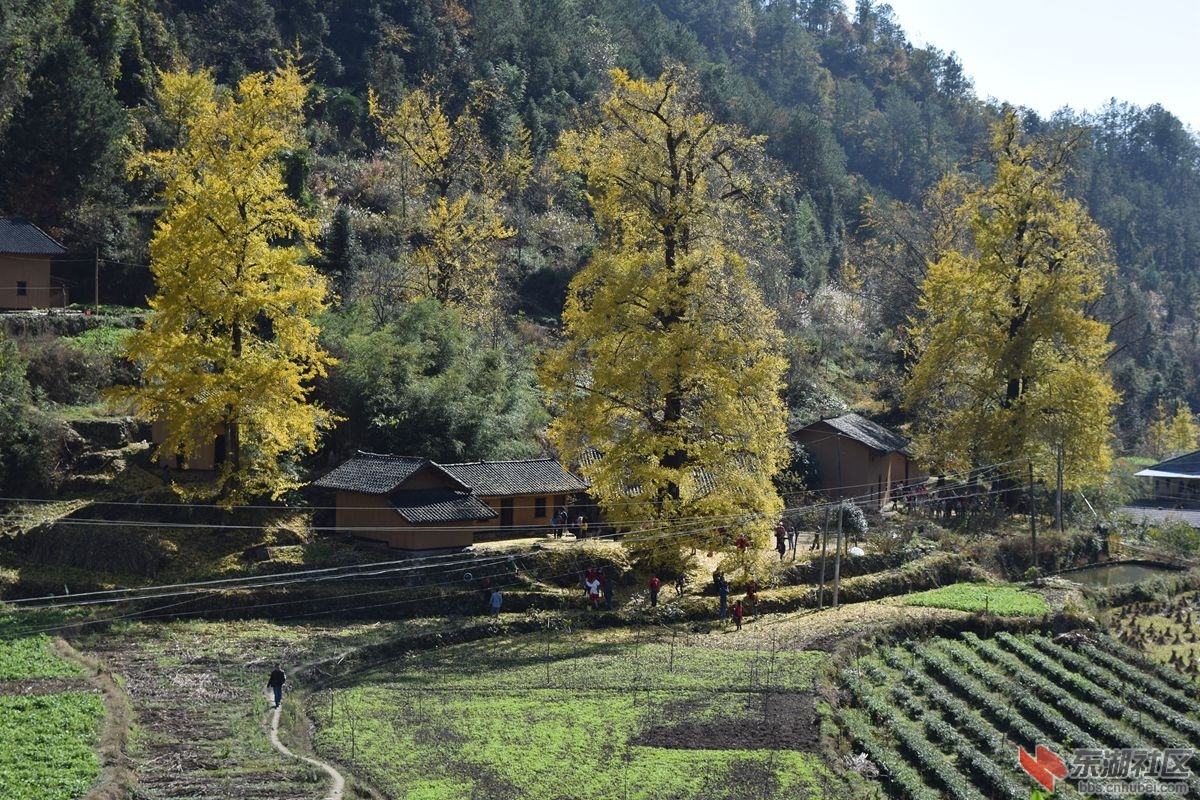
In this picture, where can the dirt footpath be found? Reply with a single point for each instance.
(199, 731)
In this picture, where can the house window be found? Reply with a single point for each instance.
(539, 507)
(22, 288)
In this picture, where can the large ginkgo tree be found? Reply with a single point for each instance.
(1010, 360)
(230, 348)
(666, 386)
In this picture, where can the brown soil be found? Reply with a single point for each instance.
(781, 721)
(45, 686)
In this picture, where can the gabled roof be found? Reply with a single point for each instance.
(440, 505)
(373, 473)
(1185, 466)
(533, 476)
(377, 473)
(21, 236)
(866, 432)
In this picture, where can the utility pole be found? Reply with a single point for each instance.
(1058, 492)
(96, 265)
(1032, 517)
(837, 559)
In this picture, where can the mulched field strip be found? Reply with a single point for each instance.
(781, 721)
(38, 686)
(187, 715)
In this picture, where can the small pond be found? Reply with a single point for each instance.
(1118, 573)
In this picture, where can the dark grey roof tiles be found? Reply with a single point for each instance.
(872, 434)
(439, 505)
(375, 473)
(372, 473)
(21, 236)
(534, 476)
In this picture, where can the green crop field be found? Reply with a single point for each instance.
(994, 598)
(945, 716)
(31, 657)
(583, 718)
(49, 730)
(47, 745)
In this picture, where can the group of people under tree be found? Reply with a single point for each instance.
(721, 583)
(559, 525)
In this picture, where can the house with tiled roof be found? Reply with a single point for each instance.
(25, 256)
(858, 458)
(416, 504)
(1176, 480)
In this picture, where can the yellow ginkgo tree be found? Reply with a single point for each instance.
(666, 386)
(456, 222)
(230, 348)
(1010, 363)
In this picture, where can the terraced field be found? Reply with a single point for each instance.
(946, 716)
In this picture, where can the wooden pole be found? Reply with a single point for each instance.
(96, 295)
(837, 560)
(1032, 517)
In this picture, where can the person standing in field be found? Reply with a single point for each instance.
(654, 584)
(495, 603)
(752, 598)
(737, 614)
(723, 593)
(276, 682)
(593, 590)
(606, 586)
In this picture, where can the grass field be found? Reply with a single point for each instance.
(586, 717)
(993, 598)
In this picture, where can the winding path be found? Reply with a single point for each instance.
(336, 782)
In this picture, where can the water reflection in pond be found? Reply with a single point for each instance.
(1104, 575)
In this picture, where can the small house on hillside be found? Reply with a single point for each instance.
(25, 256)
(417, 504)
(858, 458)
(1176, 480)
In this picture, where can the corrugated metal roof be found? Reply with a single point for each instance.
(1184, 466)
(21, 236)
(866, 432)
(534, 476)
(440, 505)
(372, 473)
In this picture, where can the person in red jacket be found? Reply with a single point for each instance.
(654, 584)
(737, 614)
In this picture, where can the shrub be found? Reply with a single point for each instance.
(1177, 537)
(64, 374)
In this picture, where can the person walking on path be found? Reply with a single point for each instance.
(495, 603)
(723, 593)
(654, 584)
(680, 581)
(791, 537)
(276, 682)
(752, 598)
(816, 542)
(737, 614)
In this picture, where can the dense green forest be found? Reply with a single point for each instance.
(862, 124)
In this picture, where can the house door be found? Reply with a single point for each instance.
(218, 451)
(506, 512)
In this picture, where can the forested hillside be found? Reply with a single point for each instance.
(860, 125)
